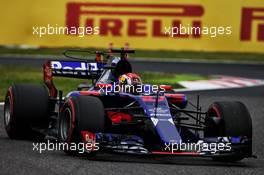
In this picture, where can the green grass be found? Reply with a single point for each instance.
(218, 56)
(168, 78)
(11, 75)
(17, 74)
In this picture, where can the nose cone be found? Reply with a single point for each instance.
(166, 130)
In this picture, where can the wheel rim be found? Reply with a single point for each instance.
(66, 124)
(7, 114)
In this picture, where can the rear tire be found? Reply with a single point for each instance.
(229, 118)
(81, 113)
(26, 106)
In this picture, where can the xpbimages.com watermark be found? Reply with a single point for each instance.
(132, 89)
(61, 146)
(198, 147)
(212, 31)
(41, 31)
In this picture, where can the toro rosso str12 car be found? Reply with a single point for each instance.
(147, 121)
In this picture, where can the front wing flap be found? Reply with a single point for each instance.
(207, 147)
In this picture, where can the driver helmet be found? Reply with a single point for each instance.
(129, 83)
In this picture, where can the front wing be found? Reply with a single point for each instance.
(207, 147)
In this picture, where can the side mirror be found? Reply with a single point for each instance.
(166, 87)
(102, 85)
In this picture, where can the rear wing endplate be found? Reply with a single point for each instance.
(74, 69)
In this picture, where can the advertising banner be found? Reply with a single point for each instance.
(195, 25)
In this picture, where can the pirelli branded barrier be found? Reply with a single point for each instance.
(150, 24)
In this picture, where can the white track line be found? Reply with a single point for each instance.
(222, 82)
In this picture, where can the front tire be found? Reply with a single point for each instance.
(228, 118)
(81, 113)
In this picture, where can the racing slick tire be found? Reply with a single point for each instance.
(81, 113)
(26, 106)
(229, 118)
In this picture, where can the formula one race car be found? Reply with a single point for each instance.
(118, 113)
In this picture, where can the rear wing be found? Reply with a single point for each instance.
(82, 68)
(74, 69)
